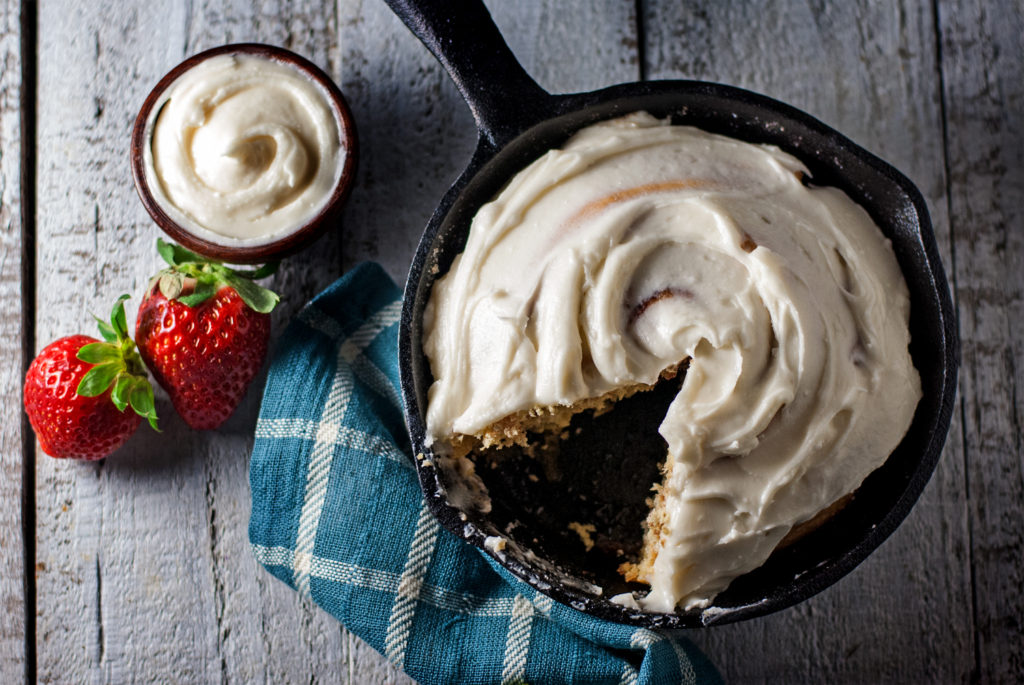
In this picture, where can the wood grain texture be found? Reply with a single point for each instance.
(12, 560)
(572, 47)
(871, 71)
(982, 56)
(415, 135)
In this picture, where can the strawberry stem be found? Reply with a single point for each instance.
(117, 365)
(210, 276)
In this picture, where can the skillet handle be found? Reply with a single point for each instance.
(504, 100)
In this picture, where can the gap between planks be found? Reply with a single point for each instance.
(27, 39)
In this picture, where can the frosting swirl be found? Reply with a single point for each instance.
(244, 150)
(640, 244)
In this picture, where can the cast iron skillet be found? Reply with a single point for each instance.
(604, 476)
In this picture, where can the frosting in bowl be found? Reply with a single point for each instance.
(244, 150)
(639, 244)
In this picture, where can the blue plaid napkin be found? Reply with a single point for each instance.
(337, 514)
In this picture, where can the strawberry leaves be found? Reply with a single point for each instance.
(136, 392)
(100, 353)
(176, 254)
(106, 330)
(192, 279)
(116, 363)
(99, 378)
(257, 297)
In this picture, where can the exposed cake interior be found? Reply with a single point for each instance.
(548, 420)
(540, 431)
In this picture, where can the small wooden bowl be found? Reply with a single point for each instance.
(290, 242)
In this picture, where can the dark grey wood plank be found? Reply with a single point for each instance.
(982, 56)
(871, 71)
(12, 560)
(575, 46)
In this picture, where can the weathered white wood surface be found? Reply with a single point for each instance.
(12, 559)
(144, 571)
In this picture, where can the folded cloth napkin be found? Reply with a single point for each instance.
(337, 514)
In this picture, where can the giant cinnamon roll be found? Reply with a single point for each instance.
(639, 245)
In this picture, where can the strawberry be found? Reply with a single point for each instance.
(202, 330)
(78, 388)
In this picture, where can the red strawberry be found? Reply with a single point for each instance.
(77, 390)
(202, 330)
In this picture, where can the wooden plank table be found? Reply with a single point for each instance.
(138, 567)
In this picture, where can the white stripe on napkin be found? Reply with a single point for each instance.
(376, 380)
(421, 551)
(386, 581)
(344, 436)
(318, 473)
(362, 338)
(543, 603)
(366, 370)
(517, 644)
(629, 675)
(314, 317)
(644, 638)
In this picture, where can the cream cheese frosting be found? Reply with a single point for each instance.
(639, 244)
(244, 149)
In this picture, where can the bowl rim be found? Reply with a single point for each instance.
(293, 241)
